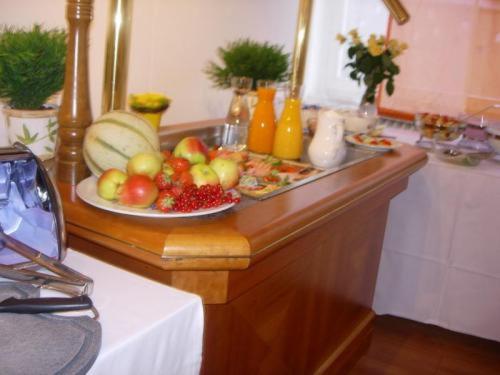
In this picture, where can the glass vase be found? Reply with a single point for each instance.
(238, 115)
(367, 108)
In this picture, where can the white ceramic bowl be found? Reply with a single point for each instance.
(354, 123)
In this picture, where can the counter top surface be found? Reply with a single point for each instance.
(236, 237)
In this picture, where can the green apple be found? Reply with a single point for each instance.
(203, 175)
(193, 149)
(109, 182)
(227, 171)
(145, 163)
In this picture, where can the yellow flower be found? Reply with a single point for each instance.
(374, 48)
(356, 40)
(353, 33)
(341, 38)
(393, 47)
(396, 47)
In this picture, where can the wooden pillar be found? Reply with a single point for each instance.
(75, 114)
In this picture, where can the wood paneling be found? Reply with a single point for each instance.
(306, 315)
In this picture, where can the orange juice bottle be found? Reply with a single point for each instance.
(288, 136)
(263, 124)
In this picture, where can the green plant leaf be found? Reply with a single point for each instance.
(393, 69)
(386, 61)
(49, 149)
(351, 51)
(51, 124)
(52, 135)
(368, 80)
(378, 77)
(246, 57)
(389, 87)
(27, 138)
(32, 63)
(366, 64)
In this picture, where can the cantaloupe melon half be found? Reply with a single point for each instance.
(114, 138)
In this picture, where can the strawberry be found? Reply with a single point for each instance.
(186, 178)
(213, 153)
(179, 165)
(166, 154)
(176, 190)
(165, 201)
(163, 181)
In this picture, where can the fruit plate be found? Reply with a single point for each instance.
(372, 143)
(87, 191)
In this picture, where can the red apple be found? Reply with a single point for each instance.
(109, 182)
(227, 171)
(193, 149)
(145, 163)
(203, 175)
(138, 191)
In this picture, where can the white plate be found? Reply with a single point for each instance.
(87, 191)
(395, 144)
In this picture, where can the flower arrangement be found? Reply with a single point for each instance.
(373, 62)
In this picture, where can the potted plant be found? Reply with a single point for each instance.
(31, 71)
(249, 58)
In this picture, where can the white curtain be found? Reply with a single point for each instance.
(326, 82)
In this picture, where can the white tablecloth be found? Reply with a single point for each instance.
(147, 327)
(441, 255)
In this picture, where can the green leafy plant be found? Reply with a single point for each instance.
(373, 62)
(31, 65)
(248, 58)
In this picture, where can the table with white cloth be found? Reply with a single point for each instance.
(441, 255)
(147, 327)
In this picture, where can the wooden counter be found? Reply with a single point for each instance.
(287, 282)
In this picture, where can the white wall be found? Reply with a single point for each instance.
(172, 40)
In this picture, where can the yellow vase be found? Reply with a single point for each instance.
(154, 118)
(288, 136)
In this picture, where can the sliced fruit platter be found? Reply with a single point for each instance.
(264, 175)
(373, 143)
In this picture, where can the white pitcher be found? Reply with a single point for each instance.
(327, 148)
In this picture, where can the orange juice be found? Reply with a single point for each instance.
(263, 124)
(288, 136)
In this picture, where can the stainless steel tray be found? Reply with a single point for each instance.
(212, 136)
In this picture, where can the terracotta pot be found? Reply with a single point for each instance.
(37, 129)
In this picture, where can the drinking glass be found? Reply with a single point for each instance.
(236, 124)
